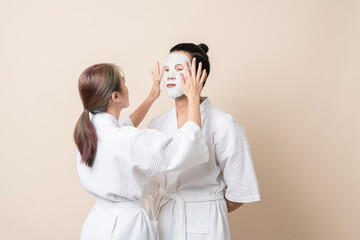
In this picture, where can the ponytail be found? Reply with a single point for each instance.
(96, 86)
(85, 138)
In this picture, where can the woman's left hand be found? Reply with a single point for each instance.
(156, 77)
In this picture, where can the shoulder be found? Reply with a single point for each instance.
(223, 121)
(226, 130)
(125, 121)
(158, 120)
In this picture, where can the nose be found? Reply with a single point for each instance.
(172, 78)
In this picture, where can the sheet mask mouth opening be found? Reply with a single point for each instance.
(171, 85)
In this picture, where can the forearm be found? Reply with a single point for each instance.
(194, 110)
(139, 114)
(233, 205)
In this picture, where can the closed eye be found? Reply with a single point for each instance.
(179, 67)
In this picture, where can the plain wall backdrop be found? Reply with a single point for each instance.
(288, 71)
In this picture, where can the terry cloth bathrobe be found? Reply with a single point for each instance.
(190, 203)
(125, 160)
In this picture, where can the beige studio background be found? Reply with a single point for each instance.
(288, 71)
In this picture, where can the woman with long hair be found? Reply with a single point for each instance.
(115, 160)
(193, 203)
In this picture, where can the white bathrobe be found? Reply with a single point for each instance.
(190, 203)
(126, 158)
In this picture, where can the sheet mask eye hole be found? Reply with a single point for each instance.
(179, 67)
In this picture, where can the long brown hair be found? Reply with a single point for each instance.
(96, 86)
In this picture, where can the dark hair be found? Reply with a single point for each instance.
(197, 51)
(96, 86)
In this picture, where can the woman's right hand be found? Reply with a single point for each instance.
(156, 77)
(194, 81)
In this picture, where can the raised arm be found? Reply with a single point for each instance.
(161, 153)
(192, 88)
(139, 114)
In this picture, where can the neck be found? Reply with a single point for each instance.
(181, 105)
(113, 111)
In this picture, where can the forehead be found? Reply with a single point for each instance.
(183, 52)
(176, 58)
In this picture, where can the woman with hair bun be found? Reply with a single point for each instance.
(193, 203)
(115, 160)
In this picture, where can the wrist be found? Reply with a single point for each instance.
(150, 98)
(194, 98)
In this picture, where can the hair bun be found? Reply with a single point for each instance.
(204, 47)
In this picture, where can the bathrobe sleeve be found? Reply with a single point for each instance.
(154, 185)
(154, 152)
(234, 155)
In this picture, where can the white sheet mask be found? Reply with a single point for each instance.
(172, 76)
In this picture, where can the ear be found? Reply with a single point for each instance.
(116, 97)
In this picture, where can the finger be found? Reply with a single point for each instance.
(152, 75)
(199, 71)
(203, 77)
(157, 67)
(162, 72)
(193, 66)
(187, 71)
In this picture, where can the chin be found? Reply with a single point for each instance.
(180, 96)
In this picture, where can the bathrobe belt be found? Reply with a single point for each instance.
(129, 204)
(181, 199)
(120, 205)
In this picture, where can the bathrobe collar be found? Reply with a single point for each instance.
(105, 118)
